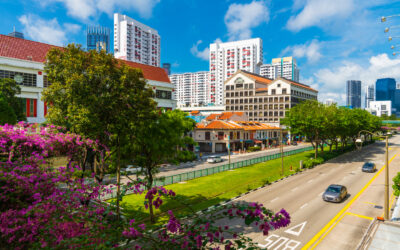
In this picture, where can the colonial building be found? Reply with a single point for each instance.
(23, 61)
(264, 99)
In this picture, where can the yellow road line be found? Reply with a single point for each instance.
(323, 236)
(361, 216)
(370, 203)
(327, 226)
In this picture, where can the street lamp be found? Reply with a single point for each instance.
(281, 149)
(391, 37)
(384, 19)
(359, 141)
(391, 27)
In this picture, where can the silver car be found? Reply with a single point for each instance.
(214, 159)
(335, 193)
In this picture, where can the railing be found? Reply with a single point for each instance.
(221, 168)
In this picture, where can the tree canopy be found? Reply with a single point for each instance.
(9, 91)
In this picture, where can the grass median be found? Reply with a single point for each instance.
(200, 193)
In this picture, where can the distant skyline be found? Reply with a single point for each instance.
(332, 41)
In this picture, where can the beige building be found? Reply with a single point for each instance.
(263, 99)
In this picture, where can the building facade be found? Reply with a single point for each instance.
(136, 42)
(353, 93)
(369, 95)
(226, 59)
(191, 88)
(16, 34)
(98, 38)
(380, 108)
(285, 67)
(263, 99)
(167, 68)
(23, 61)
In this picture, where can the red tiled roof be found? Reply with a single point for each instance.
(219, 125)
(23, 49)
(212, 117)
(299, 84)
(195, 112)
(262, 89)
(228, 115)
(258, 78)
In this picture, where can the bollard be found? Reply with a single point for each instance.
(301, 164)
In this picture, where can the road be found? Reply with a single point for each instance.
(173, 170)
(317, 224)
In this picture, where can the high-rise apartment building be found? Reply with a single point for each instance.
(353, 93)
(98, 38)
(134, 41)
(285, 67)
(226, 59)
(369, 95)
(191, 88)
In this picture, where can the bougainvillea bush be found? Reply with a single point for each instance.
(53, 207)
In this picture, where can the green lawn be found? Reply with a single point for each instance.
(206, 191)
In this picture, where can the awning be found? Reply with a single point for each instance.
(257, 141)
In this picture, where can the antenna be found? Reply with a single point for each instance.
(14, 28)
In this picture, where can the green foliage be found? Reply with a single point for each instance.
(7, 114)
(310, 163)
(185, 156)
(253, 149)
(396, 185)
(10, 90)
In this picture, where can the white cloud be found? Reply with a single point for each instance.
(85, 9)
(332, 81)
(241, 18)
(319, 12)
(202, 54)
(309, 50)
(47, 31)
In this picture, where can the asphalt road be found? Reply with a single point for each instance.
(173, 170)
(319, 224)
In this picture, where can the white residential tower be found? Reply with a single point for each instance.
(191, 88)
(136, 42)
(281, 67)
(226, 59)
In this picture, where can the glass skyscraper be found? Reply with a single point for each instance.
(385, 90)
(98, 38)
(353, 94)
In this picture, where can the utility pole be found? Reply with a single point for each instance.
(387, 180)
(229, 151)
(281, 142)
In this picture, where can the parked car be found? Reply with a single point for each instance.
(294, 143)
(335, 193)
(369, 167)
(131, 169)
(214, 159)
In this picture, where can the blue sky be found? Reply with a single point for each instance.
(332, 40)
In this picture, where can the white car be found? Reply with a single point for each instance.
(214, 159)
(133, 169)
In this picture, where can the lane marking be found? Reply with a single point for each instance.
(341, 212)
(303, 206)
(370, 203)
(274, 199)
(334, 225)
(390, 204)
(294, 189)
(360, 216)
(310, 181)
(296, 230)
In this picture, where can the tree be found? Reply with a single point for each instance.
(10, 91)
(7, 114)
(94, 95)
(159, 141)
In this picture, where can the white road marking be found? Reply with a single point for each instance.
(276, 242)
(294, 189)
(310, 181)
(275, 199)
(303, 206)
(296, 230)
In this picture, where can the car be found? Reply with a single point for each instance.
(214, 159)
(335, 193)
(369, 167)
(131, 169)
(294, 143)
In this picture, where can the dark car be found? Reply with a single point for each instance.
(294, 143)
(335, 193)
(369, 167)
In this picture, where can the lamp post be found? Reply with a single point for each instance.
(281, 142)
(386, 30)
(359, 140)
(384, 18)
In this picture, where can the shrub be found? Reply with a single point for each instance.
(310, 163)
(396, 185)
(253, 149)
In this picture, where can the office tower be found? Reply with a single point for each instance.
(167, 68)
(330, 102)
(281, 67)
(353, 93)
(98, 38)
(226, 59)
(369, 95)
(16, 34)
(191, 88)
(385, 90)
(134, 41)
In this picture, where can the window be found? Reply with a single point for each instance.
(227, 102)
(29, 107)
(238, 135)
(21, 78)
(227, 87)
(227, 94)
(383, 107)
(250, 86)
(279, 85)
(283, 91)
(46, 82)
(162, 94)
(231, 135)
(207, 135)
(273, 91)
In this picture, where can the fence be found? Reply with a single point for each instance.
(221, 168)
